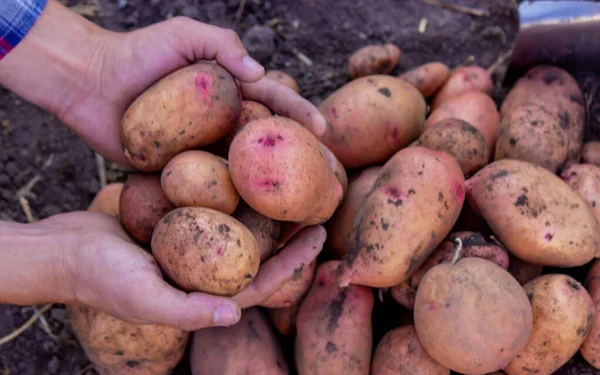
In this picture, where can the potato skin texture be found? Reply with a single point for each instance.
(247, 347)
(280, 169)
(473, 245)
(472, 317)
(463, 79)
(329, 322)
(373, 59)
(534, 213)
(284, 319)
(563, 313)
(394, 232)
(371, 118)
(205, 250)
(532, 134)
(251, 111)
(283, 78)
(265, 230)
(294, 290)
(585, 180)
(460, 139)
(142, 204)
(189, 108)
(590, 348)
(427, 78)
(107, 199)
(400, 352)
(590, 153)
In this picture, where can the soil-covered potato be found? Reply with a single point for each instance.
(590, 348)
(107, 199)
(251, 111)
(590, 153)
(293, 291)
(427, 78)
(265, 230)
(284, 319)
(248, 347)
(535, 214)
(463, 79)
(473, 316)
(585, 180)
(189, 108)
(283, 78)
(373, 59)
(205, 250)
(563, 312)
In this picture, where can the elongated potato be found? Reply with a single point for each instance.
(189, 108)
(590, 348)
(590, 153)
(585, 180)
(293, 291)
(473, 316)
(334, 334)
(403, 218)
(563, 312)
(427, 78)
(281, 171)
(251, 110)
(471, 245)
(373, 59)
(535, 214)
(284, 319)
(400, 353)
(532, 134)
(283, 78)
(463, 79)
(107, 199)
(371, 118)
(265, 230)
(205, 250)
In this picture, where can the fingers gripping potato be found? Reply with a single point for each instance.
(427, 78)
(373, 59)
(590, 348)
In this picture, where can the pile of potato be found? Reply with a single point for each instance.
(429, 193)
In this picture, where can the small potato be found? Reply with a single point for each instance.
(205, 250)
(265, 230)
(373, 59)
(535, 214)
(371, 118)
(142, 204)
(294, 290)
(338, 227)
(563, 312)
(585, 180)
(247, 347)
(472, 316)
(474, 107)
(251, 110)
(461, 140)
(427, 78)
(590, 348)
(189, 108)
(283, 78)
(400, 353)
(523, 271)
(107, 200)
(590, 153)
(463, 79)
(334, 333)
(284, 319)
(404, 217)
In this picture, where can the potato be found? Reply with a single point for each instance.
(265, 230)
(472, 316)
(247, 347)
(142, 204)
(200, 179)
(563, 313)
(371, 118)
(472, 245)
(294, 290)
(283, 78)
(590, 153)
(338, 227)
(189, 108)
(403, 218)
(555, 90)
(474, 107)
(251, 110)
(461, 140)
(523, 271)
(281, 171)
(205, 250)
(590, 348)
(532, 134)
(107, 199)
(117, 347)
(585, 180)
(400, 353)
(334, 333)
(284, 319)
(373, 59)
(427, 78)
(463, 79)
(534, 213)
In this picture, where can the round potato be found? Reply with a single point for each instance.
(373, 59)
(107, 200)
(205, 250)
(251, 110)
(427, 78)
(463, 79)
(590, 348)
(585, 180)
(265, 230)
(294, 290)
(283, 78)
(590, 153)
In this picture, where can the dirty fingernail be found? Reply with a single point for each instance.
(225, 316)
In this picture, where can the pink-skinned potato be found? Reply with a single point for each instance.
(463, 79)
(427, 78)
(334, 333)
(403, 218)
(585, 180)
(284, 319)
(590, 348)
(373, 59)
(191, 107)
(590, 153)
(294, 290)
(265, 230)
(251, 111)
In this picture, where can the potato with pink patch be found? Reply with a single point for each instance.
(585, 180)
(373, 59)
(463, 79)
(187, 109)
(294, 290)
(427, 78)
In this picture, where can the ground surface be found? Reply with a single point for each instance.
(34, 143)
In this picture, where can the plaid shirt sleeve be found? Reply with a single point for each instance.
(16, 19)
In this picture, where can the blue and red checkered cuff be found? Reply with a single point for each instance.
(16, 19)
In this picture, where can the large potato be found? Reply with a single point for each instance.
(585, 180)
(247, 347)
(473, 316)
(400, 353)
(590, 348)
(334, 333)
(373, 59)
(371, 118)
(563, 313)
(534, 213)
(205, 250)
(293, 291)
(107, 200)
(265, 230)
(427, 78)
(189, 108)
(403, 218)
(463, 79)
(590, 153)
(281, 170)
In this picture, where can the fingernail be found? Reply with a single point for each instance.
(251, 64)
(225, 316)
